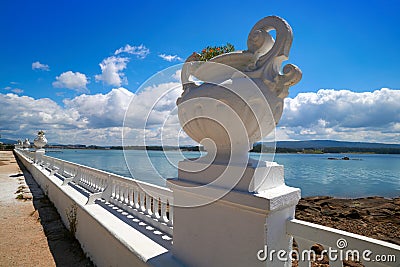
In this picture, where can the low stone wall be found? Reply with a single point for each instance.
(106, 239)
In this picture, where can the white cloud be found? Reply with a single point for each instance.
(153, 112)
(140, 51)
(101, 110)
(88, 119)
(72, 80)
(39, 66)
(113, 66)
(14, 90)
(177, 75)
(22, 115)
(17, 90)
(98, 119)
(111, 71)
(170, 58)
(343, 115)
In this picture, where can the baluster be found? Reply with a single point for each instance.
(81, 181)
(130, 196)
(99, 182)
(108, 191)
(90, 182)
(88, 177)
(136, 199)
(96, 184)
(76, 171)
(126, 195)
(116, 191)
(61, 169)
(102, 183)
(51, 166)
(148, 204)
(120, 192)
(141, 201)
(55, 166)
(94, 178)
(66, 171)
(113, 190)
(78, 176)
(107, 181)
(83, 177)
(164, 211)
(170, 214)
(303, 245)
(44, 161)
(155, 212)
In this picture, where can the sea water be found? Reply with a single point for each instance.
(363, 175)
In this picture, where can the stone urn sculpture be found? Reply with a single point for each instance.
(235, 99)
(227, 104)
(26, 144)
(19, 144)
(40, 141)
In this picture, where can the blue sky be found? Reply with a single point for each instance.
(52, 49)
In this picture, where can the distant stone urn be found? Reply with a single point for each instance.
(40, 141)
(26, 144)
(235, 99)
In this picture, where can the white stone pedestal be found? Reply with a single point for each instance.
(39, 155)
(231, 230)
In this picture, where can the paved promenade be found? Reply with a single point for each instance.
(31, 232)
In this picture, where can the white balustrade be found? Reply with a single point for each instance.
(149, 203)
(28, 154)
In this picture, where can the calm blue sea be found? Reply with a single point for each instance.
(364, 175)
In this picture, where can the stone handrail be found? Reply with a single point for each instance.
(150, 203)
(372, 252)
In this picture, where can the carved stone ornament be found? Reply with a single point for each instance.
(26, 143)
(235, 99)
(40, 141)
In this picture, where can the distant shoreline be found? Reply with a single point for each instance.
(286, 147)
(279, 150)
